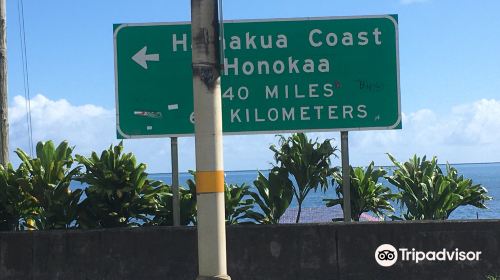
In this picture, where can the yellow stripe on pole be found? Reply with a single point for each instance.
(209, 181)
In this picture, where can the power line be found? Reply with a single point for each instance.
(26, 80)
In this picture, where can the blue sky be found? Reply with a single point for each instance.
(449, 61)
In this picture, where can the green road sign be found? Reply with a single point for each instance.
(282, 75)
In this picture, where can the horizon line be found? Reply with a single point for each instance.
(248, 170)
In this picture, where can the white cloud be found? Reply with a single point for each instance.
(467, 133)
(87, 127)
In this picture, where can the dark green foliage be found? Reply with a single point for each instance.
(428, 194)
(47, 179)
(367, 194)
(236, 206)
(471, 194)
(118, 193)
(187, 202)
(273, 196)
(15, 204)
(307, 161)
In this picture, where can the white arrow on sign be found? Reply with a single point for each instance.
(142, 58)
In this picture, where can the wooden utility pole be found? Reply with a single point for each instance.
(208, 140)
(4, 123)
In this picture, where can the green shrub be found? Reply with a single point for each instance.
(235, 203)
(187, 205)
(307, 161)
(273, 196)
(118, 193)
(236, 206)
(367, 194)
(428, 194)
(46, 179)
(15, 203)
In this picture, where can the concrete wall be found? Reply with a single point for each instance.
(304, 251)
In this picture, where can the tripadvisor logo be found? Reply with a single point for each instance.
(387, 255)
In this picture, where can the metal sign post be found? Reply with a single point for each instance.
(175, 181)
(346, 180)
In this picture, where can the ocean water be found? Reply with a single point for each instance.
(487, 174)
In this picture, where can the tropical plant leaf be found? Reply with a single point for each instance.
(119, 193)
(307, 161)
(274, 195)
(428, 194)
(46, 180)
(367, 194)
